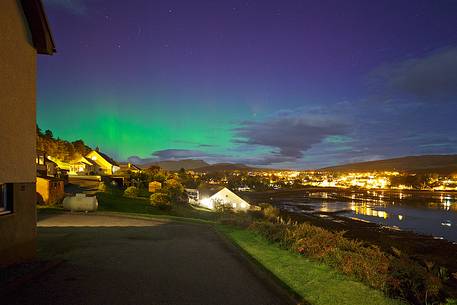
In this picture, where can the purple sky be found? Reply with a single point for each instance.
(299, 84)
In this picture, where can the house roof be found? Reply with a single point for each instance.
(87, 161)
(107, 158)
(209, 190)
(39, 26)
(50, 161)
(83, 160)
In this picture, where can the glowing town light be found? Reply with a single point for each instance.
(400, 217)
(382, 214)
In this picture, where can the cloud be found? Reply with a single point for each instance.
(139, 160)
(431, 76)
(76, 7)
(289, 134)
(206, 145)
(179, 154)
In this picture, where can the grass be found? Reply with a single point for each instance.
(314, 282)
(114, 203)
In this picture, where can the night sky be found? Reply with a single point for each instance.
(293, 83)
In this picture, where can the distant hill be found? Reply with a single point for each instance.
(221, 167)
(175, 165)
(441, 164)
(196, 165)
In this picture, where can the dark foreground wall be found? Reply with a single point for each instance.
(18, 229)
(17, 134)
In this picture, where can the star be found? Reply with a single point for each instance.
(139, 31)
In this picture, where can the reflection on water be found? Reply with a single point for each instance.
(435, 215)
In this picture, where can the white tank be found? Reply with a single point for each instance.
(80, 203)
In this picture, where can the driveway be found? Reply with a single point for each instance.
(116, 260)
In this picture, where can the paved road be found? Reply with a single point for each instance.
(115, 260)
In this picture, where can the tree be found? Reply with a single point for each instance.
(187, 180)
(48, 134)
(80, 147)
(39, 132)
(174, 189)
(60, 149)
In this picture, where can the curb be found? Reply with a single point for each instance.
(265, 275)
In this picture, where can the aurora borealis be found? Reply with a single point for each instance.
(293, 83)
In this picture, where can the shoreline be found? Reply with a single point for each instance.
(420, 247)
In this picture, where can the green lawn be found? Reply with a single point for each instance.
(114, 202)
(316, 283)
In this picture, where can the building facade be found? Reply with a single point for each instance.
(106, 165)
(214, 197)
(24, 32)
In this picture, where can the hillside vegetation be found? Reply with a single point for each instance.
(61, 149)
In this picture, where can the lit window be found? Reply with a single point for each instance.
(6, 198)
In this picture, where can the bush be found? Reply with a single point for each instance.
(397, 276)
(223, 207)
(131, 192)
(102, 187)
(242, 220)
(412, 282)
(270, 212)
(142, 192)
(161, 200)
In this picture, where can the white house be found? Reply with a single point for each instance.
(211, 196)
(193, 195)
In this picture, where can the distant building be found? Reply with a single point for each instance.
(193, 195)
(83, 167)
(60, 164)
(212, 196)
(154, 186)
(44, 166)
(106, 165)
(49, 190)
(24, 32)
(127, 166)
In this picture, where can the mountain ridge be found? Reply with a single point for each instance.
(443, 164)
(175, 165)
